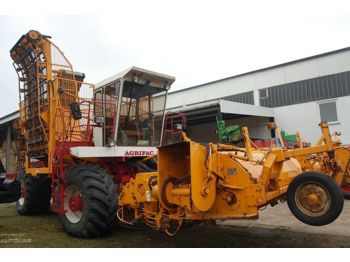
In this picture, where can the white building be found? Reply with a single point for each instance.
(298, 95)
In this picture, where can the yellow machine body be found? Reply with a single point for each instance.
(48, 85)
(337, 166)
(215, 182)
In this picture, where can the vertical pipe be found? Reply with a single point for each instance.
(248, 147)
(300, 140)
(279, 136)
(119, 106)
(326, 136)
(161, 132)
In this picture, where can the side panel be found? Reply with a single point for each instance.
(99, 151)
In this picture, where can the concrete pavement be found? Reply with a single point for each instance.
(280, 217)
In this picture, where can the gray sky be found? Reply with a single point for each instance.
(194, 45)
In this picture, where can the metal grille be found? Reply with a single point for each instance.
(245, 98)
(309, 90)
(30, 64)
(41, 67)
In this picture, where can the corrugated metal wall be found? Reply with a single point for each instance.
(245, 98)
(319, 88)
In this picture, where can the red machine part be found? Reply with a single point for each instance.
(119, 169)
(170, 133)
(22, 191)
(76, 203)
(10, 176)
(57, 175)
(345, 189)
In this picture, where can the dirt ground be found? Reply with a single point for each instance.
(46, 231)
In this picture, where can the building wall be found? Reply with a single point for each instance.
(203, 133)
(12, 168)
(316, 67)
(257, 126)
(299, 77)
(306, 117)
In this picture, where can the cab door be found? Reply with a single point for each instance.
(106, 101)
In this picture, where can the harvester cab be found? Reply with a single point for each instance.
(139, 96)
(128, 114)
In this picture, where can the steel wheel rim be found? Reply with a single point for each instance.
(312, 199)
(72, 216)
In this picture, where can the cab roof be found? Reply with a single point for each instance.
(140, 72)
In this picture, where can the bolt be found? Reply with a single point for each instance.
(205, 191)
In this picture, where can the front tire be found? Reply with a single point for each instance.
(315, 198)
(90, 201)
(35, 195)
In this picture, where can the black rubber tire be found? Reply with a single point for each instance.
(37, 195)
(99, 201)
(337, 199)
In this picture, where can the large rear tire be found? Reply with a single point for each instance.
(315, 198)
(35, 195)
(90, 201)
